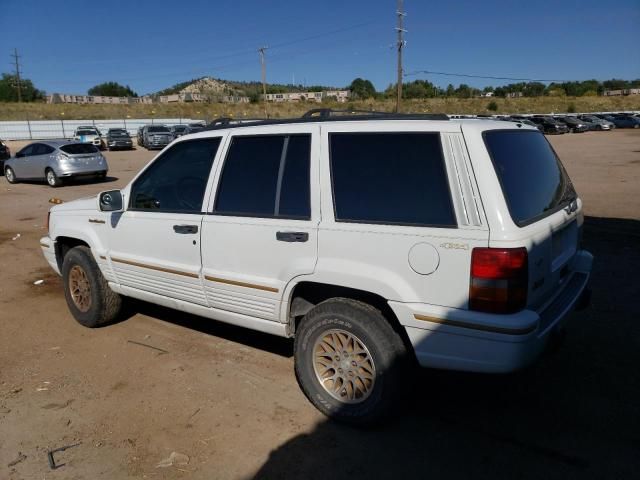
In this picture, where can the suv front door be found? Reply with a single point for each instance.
(154, 245)
(262, 226)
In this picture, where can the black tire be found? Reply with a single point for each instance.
(375, 333)
(10, 175)
(52, 179)
(102, 305)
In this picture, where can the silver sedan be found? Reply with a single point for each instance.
(55, 160)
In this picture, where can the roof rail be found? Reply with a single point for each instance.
(325, 113)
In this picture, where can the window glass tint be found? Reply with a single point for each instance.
(27, 151)
(79, 148)
(176, 181)
(39, 149)
(266, 176)
(533, 180)
(393, 178)
(294, 192)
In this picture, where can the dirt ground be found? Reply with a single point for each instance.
(227, 398)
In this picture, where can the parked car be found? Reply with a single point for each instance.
(625, 121)
(573, 124)
(453, 243)
(89, 134)
(118, 138)
(550, 125)
(178, 130)
(525, 121)
(139, 136)
(194, 128)
(5, 153)
(55, 161)
(156, 136)
(596, 123)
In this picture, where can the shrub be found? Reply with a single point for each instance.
(571, 108)
(493, 106)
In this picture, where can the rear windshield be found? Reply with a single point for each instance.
(78, 148)
(534, 182)
(159, 129)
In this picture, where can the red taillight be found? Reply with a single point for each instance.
(499, 278)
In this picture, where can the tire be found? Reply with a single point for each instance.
(383, 355)
(10, 175)
(89, 298)
(52, 179)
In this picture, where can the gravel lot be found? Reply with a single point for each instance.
(227, 397)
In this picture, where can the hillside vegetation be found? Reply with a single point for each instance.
(209, 111)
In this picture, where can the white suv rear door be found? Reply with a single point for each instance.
(261, 228)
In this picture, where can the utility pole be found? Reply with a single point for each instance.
(263, 64)
(16, 58)
(400, 45)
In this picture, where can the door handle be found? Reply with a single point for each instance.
(292, 236)
(185, 228)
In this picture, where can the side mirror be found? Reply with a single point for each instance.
(110, 201)
(19, 155)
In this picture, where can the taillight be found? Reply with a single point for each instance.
(499, 278)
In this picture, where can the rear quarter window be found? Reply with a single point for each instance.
(533, 180)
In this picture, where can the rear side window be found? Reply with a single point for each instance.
(266, 176)
(79, 148)
(390, 178)
(534, 182)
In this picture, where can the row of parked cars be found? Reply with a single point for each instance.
(558, 124)
(159, 136)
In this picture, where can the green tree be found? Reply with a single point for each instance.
(451, 91)
(363, 89)
(493, 106)
(9, 89)
(464, 91)
(112, 89)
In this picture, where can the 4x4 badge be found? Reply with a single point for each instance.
(455, 246)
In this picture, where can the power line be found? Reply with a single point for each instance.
(16, 57)
(466, 75)
(400, 45)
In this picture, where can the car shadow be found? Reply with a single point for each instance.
(74, 181)
(573, 414)
(251, 338)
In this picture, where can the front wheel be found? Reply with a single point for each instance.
(10, 175)
(349, 361)
(89, 297)
(52, 179)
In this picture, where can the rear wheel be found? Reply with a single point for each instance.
(89, 297)
(349, 361)
(10, 175)
(52, 179)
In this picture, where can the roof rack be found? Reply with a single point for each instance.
(323, 115)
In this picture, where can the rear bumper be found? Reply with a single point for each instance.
(458, 339)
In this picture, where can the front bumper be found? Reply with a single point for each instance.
(458, 339)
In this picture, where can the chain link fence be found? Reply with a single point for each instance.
(47, 129)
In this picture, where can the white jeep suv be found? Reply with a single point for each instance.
(376, 241)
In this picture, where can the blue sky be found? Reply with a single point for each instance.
(69, 46)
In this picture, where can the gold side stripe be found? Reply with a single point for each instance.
(475, 326)
(102, 257)
(151, 267)
(44, 245)
(241, 284)
(95, 220)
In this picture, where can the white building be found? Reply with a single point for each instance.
(337, 95)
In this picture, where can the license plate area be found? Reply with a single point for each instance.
(564, 245)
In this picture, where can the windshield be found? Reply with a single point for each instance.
(534, 182)
(78, 148)
(158, 128)
(118, 133)
(87, 132)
